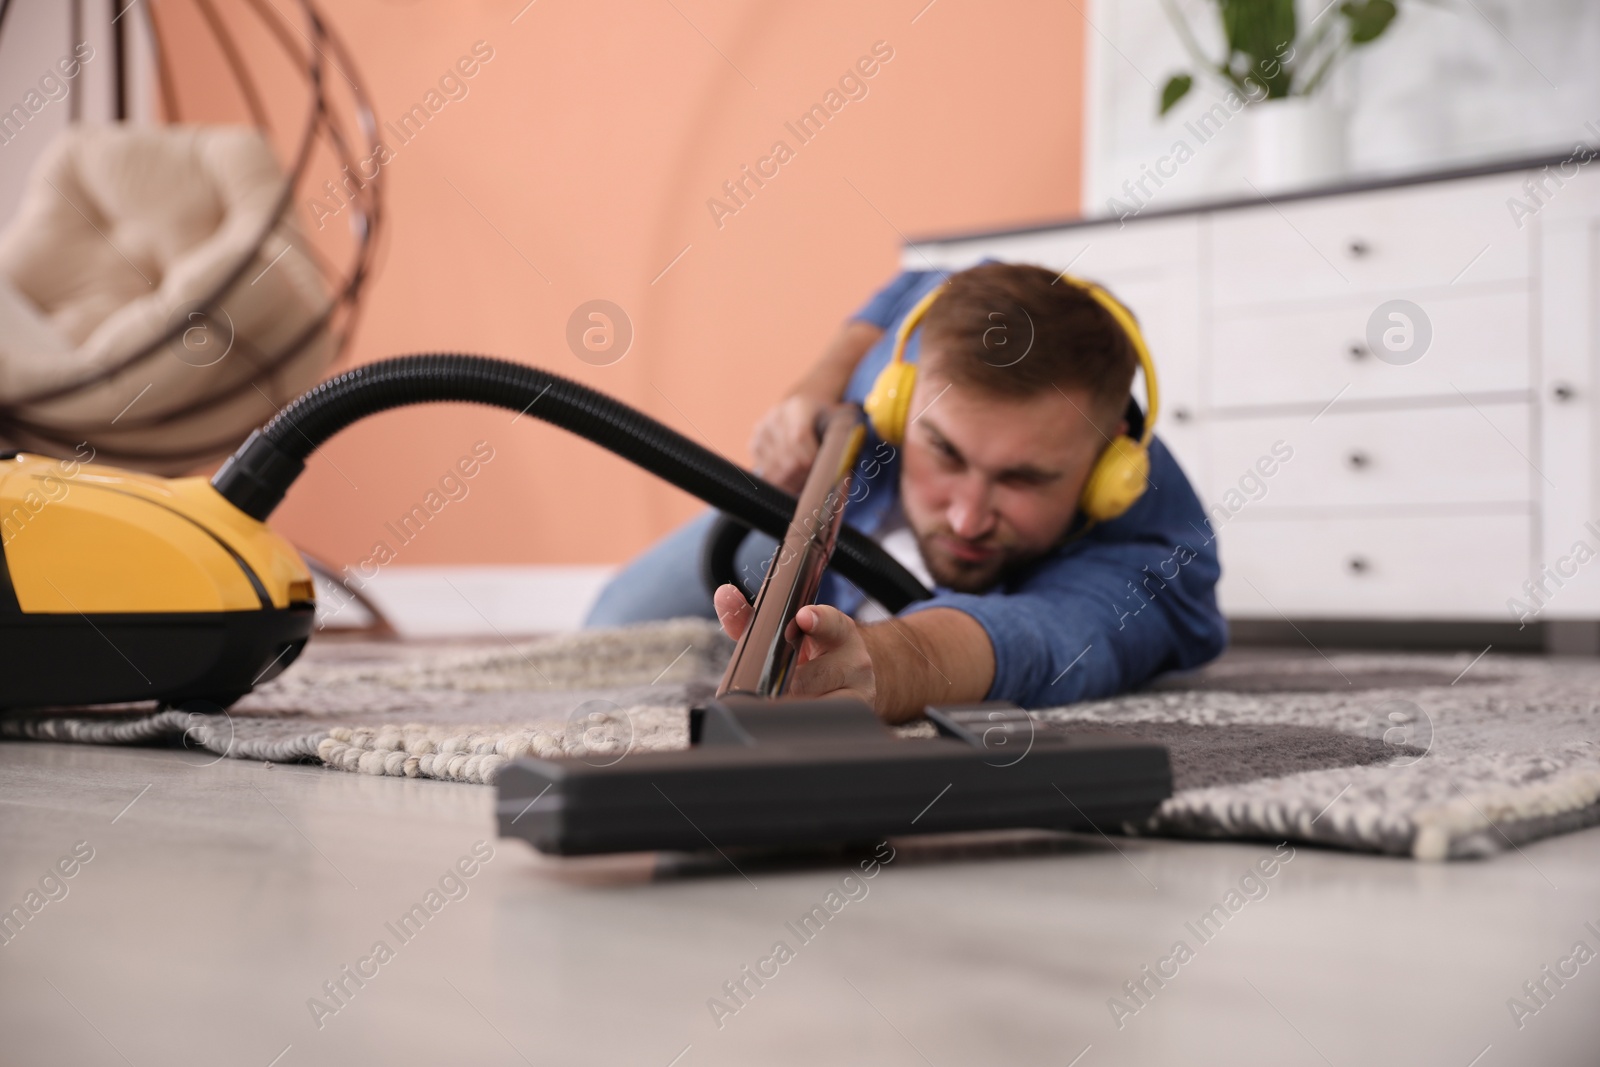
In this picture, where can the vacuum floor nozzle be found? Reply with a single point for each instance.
(797, 773)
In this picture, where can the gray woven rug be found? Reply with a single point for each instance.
(1431, 756)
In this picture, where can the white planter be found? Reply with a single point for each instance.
(1295, 142)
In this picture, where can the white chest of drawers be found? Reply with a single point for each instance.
(1431, 488)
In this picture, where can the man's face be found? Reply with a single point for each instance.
(989, 483)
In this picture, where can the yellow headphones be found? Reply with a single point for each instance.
(1121, 473)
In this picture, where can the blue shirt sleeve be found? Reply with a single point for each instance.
(1132, 599)
(890, 303)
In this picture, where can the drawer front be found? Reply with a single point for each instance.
(1403, 568)
(1479, 344)
(1569, 412)
(1428, 456)
(1390, 242)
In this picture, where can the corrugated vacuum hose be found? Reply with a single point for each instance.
(256, 476)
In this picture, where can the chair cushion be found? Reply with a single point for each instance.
(24, 328)
(122, 230)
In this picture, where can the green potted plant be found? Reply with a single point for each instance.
(1278, 71)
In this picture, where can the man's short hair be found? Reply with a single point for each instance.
(1013, 330)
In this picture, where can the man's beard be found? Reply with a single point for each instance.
(966, 576)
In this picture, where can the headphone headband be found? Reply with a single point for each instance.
(1123, 317)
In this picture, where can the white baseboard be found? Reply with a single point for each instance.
(455, 601)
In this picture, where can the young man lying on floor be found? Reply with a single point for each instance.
(1022, 384)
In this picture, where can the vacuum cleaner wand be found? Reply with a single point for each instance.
(764, 659)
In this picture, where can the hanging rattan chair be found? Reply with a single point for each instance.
(158, 298)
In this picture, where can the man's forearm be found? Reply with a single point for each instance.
(938, 656)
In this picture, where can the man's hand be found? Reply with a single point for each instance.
(784, 443)
(898, 666)
(834, 661)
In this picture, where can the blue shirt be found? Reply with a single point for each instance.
(1132, 598)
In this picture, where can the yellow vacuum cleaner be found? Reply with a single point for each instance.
(117, 586)
(122, 586)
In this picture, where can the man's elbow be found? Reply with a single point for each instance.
(1214, 643)
(1204, 639)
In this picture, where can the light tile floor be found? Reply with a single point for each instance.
(221, 896)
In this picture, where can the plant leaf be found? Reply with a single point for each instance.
(1176, 89)
(1261, 36)
(1259, 29)
(1368, 18)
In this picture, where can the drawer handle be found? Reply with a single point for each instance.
(1358, 350)
(1182, 414)
(1358, 565)
(1358, 460)
(1563, 392)
(1359, 248)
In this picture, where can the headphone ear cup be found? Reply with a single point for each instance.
(1117, 482)
(888, 406)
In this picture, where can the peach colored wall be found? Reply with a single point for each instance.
(591, 142)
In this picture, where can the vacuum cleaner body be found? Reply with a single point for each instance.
(119, 586)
